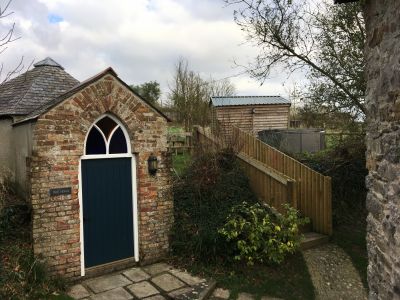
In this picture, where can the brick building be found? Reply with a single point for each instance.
(80, 153)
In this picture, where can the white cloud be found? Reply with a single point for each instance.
(140, 39)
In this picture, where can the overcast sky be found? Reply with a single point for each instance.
(141, 39)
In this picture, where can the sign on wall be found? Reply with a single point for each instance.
(60, 191)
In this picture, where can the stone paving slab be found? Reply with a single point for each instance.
(197, 292)
(106, 283)
(143, 289)
(78, 291)
(245, 296)
(181, 291)
(221, 293)
(167, 282)
(186, 277)
(156, 297)
(157, 268)
(114, 294)
(136, 275)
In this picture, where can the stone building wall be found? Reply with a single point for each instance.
(58, 143)
(383, 152)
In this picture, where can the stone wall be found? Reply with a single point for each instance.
(383, 152)
(58, 143)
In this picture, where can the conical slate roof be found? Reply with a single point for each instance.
(35, 88)
(48, 61)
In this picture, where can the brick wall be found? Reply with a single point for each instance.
(383, 147)
(58, 143)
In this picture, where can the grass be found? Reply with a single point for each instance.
(290, 280)
(22, 275)
(180, 162)
(352, 240)
(175, 129)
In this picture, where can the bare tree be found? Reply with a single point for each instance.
(190, 95)
(6, 38)
(317, 36)
(220, 87)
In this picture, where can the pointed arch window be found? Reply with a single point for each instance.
(106, 137)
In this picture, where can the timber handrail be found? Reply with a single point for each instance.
(290, 197)
(270, 172)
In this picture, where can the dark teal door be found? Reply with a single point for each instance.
(107, 210)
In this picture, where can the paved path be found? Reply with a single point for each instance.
(333, 274)
(155, 282)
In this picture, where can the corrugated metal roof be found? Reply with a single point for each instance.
(248, 100)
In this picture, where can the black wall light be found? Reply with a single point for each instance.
(152, 163)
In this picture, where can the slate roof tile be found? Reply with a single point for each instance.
(35, 88)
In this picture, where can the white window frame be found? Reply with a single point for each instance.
(107, 143)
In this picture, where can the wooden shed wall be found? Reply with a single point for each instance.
(254, 118)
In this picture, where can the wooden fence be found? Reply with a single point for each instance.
(276, 178)
(271, 187)
(180, 142)
(312, 189)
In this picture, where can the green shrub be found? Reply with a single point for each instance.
(345, 164)
(257, 235)
(203, 199)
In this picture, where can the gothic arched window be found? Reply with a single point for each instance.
(106, 137)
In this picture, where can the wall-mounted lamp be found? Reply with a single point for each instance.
(152, 163)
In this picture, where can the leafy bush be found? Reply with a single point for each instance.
(260, 236)
(345, 163)
(203, 199)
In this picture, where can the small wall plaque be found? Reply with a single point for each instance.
(60, 191)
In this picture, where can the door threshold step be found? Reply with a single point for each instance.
(313, 239)
(110, 267)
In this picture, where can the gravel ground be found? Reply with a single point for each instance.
(333, 274)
